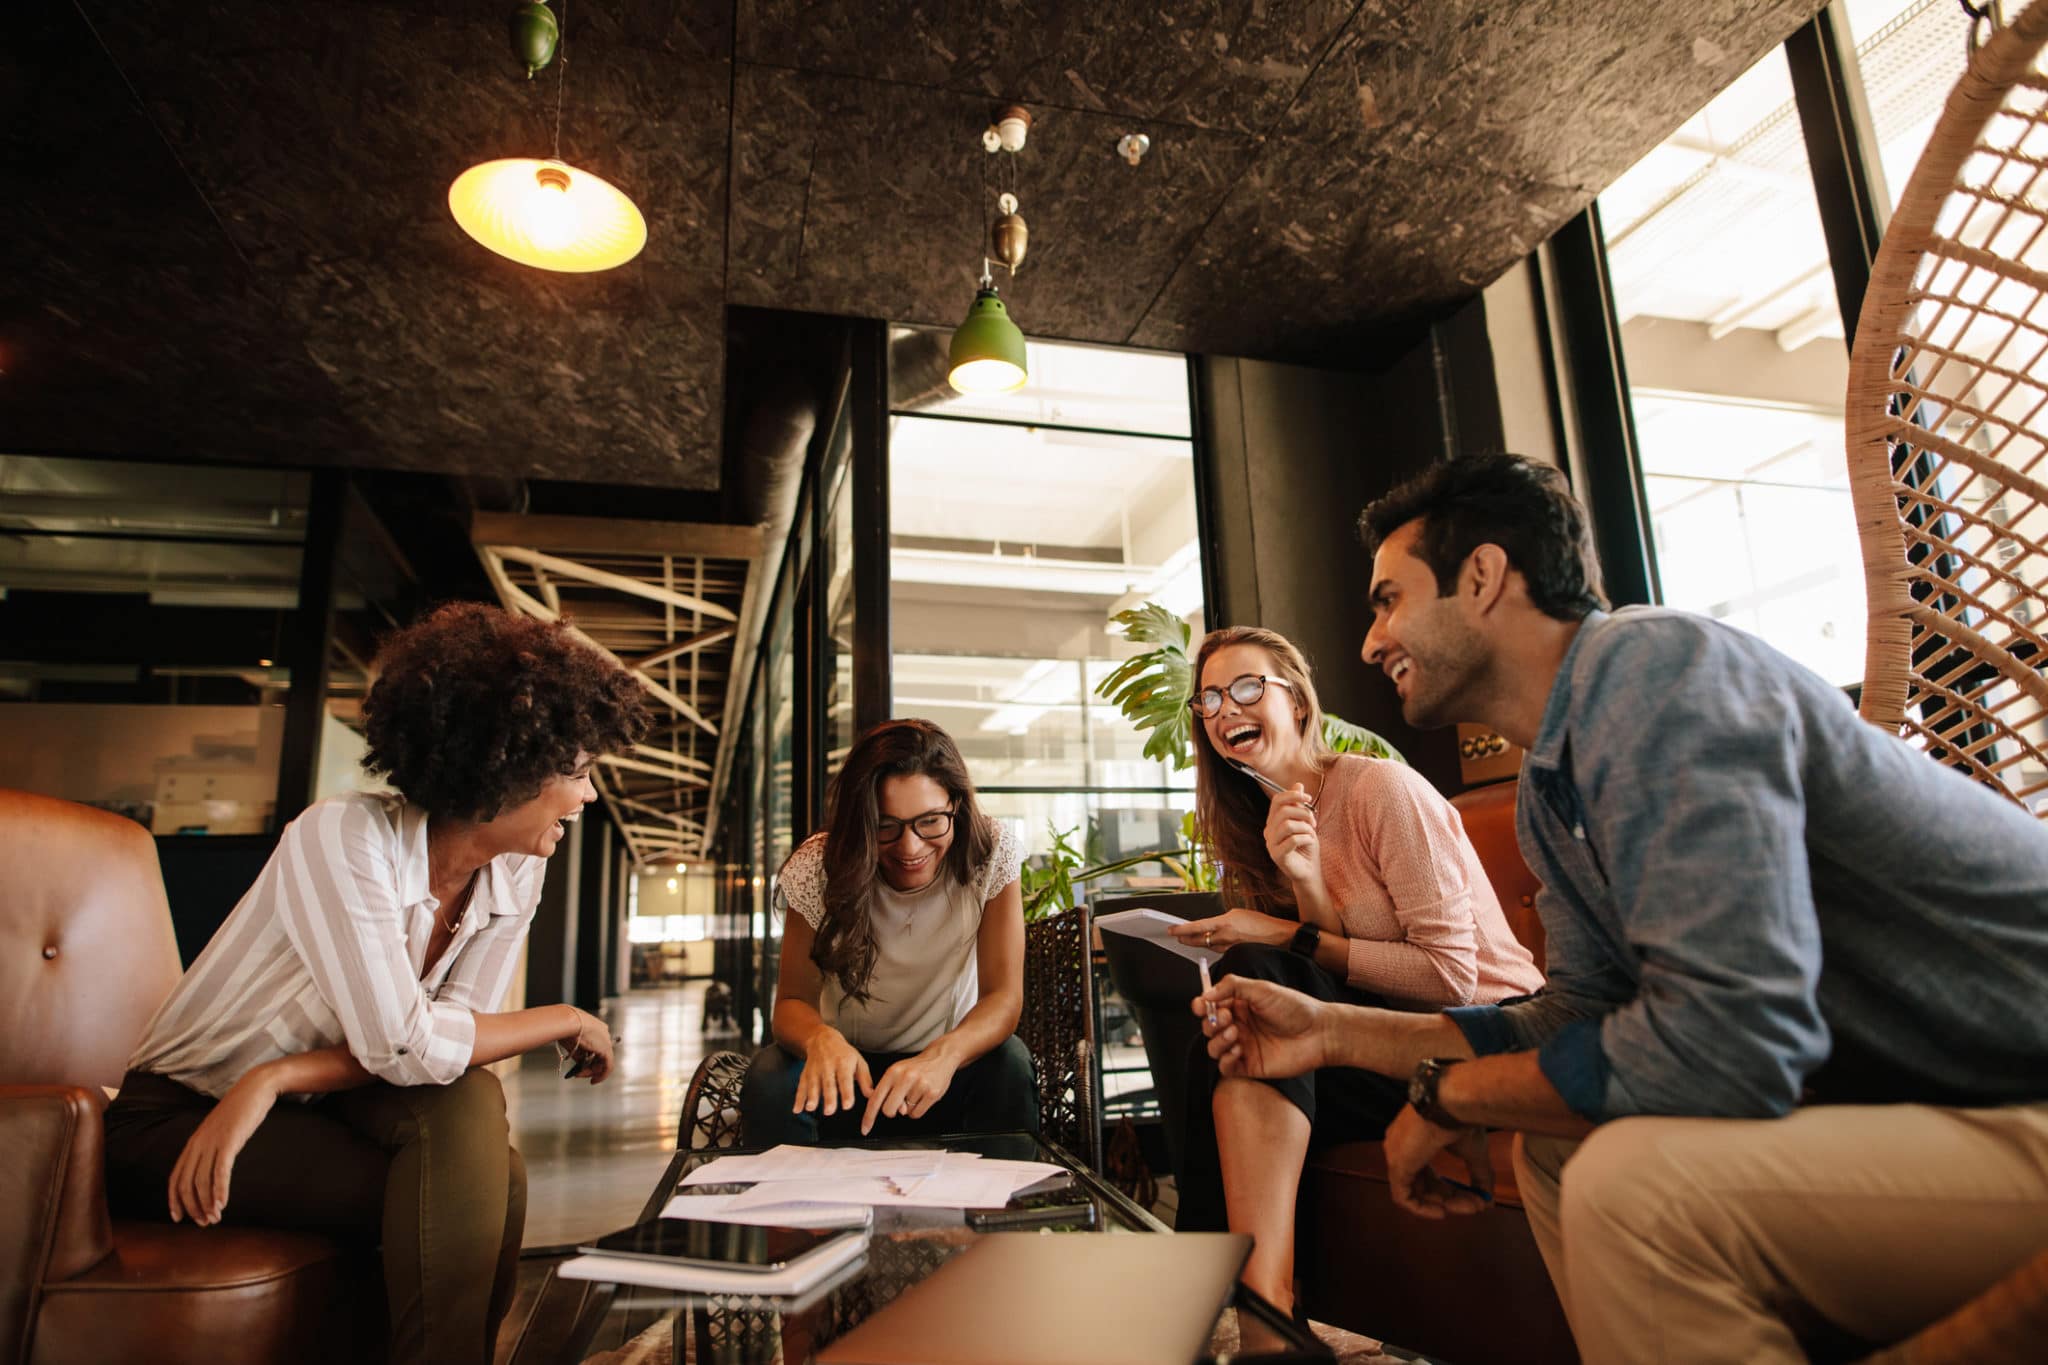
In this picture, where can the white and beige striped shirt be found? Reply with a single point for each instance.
(329, 947)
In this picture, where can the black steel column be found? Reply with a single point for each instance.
(868, 402)
(1606, 472)
(1841, 150)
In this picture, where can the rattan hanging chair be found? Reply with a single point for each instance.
(1948, 431)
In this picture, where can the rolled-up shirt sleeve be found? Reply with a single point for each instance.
(1695, 808)
(338, 904)
(1576, 987)
(478, 979)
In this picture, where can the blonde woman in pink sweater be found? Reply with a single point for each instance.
(1356, 885)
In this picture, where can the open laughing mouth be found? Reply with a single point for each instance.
(1399, 670)
(1241, 737)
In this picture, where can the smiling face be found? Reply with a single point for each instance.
(1421, 640)
(1267, 733)
(538, 826)
(912, 861)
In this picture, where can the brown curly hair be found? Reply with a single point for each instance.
(475, 708)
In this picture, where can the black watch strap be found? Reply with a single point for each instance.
(1422, 1088)
(1305, 939)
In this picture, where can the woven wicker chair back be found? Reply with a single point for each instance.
(1948, 431)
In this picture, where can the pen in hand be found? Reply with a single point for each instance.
(1207, 986)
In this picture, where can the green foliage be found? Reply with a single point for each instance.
(1152, 688)
(1345, 738)
(1048, 880)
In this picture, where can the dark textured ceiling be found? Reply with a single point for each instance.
(228, 235)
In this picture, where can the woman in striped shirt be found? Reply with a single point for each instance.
(1357, 884)
(357, 978)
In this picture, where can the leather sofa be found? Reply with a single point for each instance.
(86, 956)
(1470, 1289)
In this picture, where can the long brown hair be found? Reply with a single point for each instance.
(845, 947)
(1229, 806)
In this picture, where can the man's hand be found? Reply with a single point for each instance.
(1262, 1029)
(199, 1182)
(1410, 1143)
(1232, 927)
(833, 1067)
(908, 1088)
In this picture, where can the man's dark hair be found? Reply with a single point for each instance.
(1511, 501)
(474, 709)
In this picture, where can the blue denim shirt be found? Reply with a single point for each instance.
(1753, 897)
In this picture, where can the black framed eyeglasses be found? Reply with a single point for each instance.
(933, 824)
(1245, 690)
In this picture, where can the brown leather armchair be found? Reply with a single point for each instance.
(86, 956)
(1471, 1288)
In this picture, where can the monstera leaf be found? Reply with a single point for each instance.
(1345, 738)
(1152, 688)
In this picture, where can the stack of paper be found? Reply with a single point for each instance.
(800, 1186)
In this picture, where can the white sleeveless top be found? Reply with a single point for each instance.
(925, 980)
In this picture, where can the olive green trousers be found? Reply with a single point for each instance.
(427, 1172)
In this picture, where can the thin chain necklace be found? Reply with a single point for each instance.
(461, 907)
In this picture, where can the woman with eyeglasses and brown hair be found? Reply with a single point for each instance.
(902, 973)
(1349, 878)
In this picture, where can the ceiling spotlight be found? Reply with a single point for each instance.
(1133, 146)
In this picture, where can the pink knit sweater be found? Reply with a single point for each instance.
(1424, 924)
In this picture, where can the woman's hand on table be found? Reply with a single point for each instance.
(833, 1068)
(909, 1088)
(1232, 927)
(199, 1182)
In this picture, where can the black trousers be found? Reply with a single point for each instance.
(996, 1092)
(1342, 1104)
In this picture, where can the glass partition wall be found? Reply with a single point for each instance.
(1019, 525)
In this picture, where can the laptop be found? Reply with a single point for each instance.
(1024, 1298)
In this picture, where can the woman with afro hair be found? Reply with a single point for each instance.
(321, 1063)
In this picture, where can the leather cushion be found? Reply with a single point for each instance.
(86, 947)
(1368, 1161)
(174, 1293)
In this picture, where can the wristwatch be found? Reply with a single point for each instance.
(1422, 1086)
(1304, 940)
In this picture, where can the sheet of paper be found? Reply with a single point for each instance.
(790, 1162)
(717, 1208)
(1152, 925)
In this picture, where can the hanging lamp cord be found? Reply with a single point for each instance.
(561, 74)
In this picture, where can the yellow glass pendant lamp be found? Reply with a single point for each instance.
(547, 214)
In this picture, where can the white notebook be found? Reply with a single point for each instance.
(795, 1278)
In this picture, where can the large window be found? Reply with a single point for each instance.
(1733, 343)
(1019, 524)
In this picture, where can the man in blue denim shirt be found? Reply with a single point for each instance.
(1758, 907)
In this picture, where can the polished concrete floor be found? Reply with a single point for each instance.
(593, 1153)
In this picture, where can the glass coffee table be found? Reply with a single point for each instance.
(575, 1319)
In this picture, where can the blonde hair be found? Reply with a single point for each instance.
(1229, 806)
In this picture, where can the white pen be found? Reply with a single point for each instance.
(1207, 986)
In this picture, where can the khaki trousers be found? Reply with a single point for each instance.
(427, 1171)
(1704, 1240)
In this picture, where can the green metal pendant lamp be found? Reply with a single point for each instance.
(987, 354)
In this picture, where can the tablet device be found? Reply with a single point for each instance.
(727, 1246)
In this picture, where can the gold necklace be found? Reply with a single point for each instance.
(461, 906)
